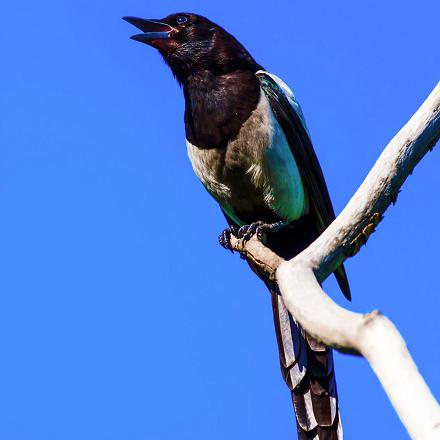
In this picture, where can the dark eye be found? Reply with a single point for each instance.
(181, 19)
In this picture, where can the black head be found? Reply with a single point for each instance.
(191, 43)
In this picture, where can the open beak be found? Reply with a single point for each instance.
(152, 29)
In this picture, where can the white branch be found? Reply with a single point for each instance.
(381, 187)
(373, 335)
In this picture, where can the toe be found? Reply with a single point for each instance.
(225, 240)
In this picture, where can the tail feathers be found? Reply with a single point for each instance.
(341, 278)
(322, 433)
(307, 368)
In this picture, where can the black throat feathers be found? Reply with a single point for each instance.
(216, 106)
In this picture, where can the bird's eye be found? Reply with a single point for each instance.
(181, 19)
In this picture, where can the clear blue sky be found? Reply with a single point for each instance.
(120, 316)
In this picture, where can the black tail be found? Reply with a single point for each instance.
(307, 367)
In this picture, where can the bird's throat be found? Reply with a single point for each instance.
(217, 106)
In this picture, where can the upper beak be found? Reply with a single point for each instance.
(152, 29)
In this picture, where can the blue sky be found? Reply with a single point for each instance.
(120, 316)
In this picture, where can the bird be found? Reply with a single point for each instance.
(249, 145)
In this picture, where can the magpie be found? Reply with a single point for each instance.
(249, 144)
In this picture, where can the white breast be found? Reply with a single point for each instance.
(205, 165)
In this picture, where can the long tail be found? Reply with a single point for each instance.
(307, 367)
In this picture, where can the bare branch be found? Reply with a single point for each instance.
(344, 237)
(256, 252)
(373, 335)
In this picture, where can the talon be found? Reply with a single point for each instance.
(225, 238)
(261, 232)
(246, 232)
(259, 228)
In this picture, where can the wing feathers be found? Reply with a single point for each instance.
(290, 116)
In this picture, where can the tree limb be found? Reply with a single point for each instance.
(373, 335)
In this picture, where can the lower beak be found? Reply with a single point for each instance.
(152, 29)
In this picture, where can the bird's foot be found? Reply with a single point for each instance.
(246, 232)
(260, 229)
(225, 237)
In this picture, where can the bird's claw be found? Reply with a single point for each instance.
(246, 232)
(260, 229)
(225, 238)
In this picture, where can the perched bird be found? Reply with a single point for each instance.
(249, 145)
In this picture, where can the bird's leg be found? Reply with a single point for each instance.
(260, 228)
(225, 237)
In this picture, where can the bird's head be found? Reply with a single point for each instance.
(191, 43)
